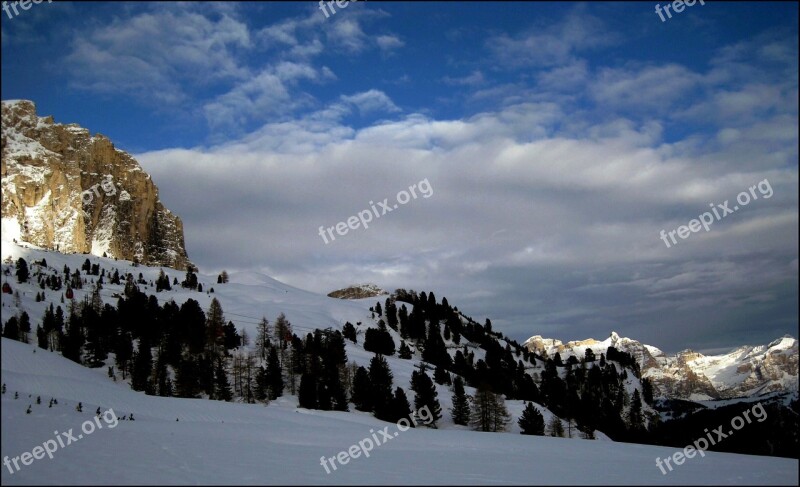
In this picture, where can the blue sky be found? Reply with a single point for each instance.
(559, 139)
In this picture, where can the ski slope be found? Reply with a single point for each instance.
(227, 443)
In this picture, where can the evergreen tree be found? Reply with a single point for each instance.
(215, 322)
(273, 375)
(635, 419)
(349, 331)
(425, 395)
(163, 382)
(11, 330)
(460, 410)
(380, 377)
(441, 376)
(361, 394)
(142, 368)
(222, 388)
(531, 422)
(405, 350)
(41, 337)
(24, 326)
(22, 270)
(379, 341)
(399, 406)
(307, 395)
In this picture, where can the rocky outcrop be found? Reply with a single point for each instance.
(358, 291)
(72, 192)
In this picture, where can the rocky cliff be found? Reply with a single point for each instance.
(66, 190)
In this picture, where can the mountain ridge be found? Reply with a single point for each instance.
(746, 370)
(66, 190)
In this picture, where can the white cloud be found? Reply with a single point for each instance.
(371, 101)
(146, 56)
(473, 79)
(389, 42)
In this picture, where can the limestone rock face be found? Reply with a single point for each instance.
(66, 190)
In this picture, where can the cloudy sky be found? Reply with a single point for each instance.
(557, 141)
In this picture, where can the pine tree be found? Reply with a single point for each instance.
(531, 422)
(361, 394)
(405, 350)
(222, 388)
(273, 375)
(399, 406)
(307, 394)
(460, 410)
(11, 330)
(142, 368)
(349, 331)
(22, 270)
(24, 326)
(441, 376)
(381, 378)
(215, 321)
(425, 395)
(635, 419)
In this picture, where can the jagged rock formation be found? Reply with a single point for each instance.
(745, 371)
(358, 291)
(68, 191)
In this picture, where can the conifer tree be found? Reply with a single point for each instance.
(531, 422)
(399, 406)
(425, 395)
(361, 394)
(380, 377)
(142, 368)
(307, 394)
(222, 388)
(460, 410)
(273, 375)
(489, 411)
(405, 350)
(22, 270)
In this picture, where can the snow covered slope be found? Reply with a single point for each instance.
(226, 443)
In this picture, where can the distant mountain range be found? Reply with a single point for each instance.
(745, 371)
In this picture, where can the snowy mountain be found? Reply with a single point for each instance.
(64, 189)
(745, 371)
